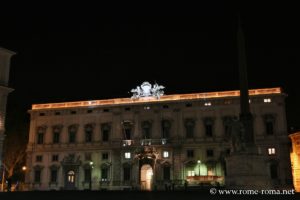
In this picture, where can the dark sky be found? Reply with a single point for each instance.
(87, 51)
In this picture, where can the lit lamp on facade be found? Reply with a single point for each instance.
(91, 165)
(199, 162)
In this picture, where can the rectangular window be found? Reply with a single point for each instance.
(37, 176)
(89, 111)
(54, 158)
(271, 151)
(40, 139)
(208, 130)
(165, 154)
(87, 175)
(210, 153)
(104, 174)
(146, 132)
(190, 153)
(104, 156)
(227, 130)
(191, 173)
(167, 173)
(55, 137)
(72, 136)
(127, 133)
(189, 105)
(88, 136)
(39, 158)
(105, 134)
(126, 174)
(127, 155)
(166, 128)
(53, 175)
(269, 128)
(190, 131)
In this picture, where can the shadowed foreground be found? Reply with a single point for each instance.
(119, 195)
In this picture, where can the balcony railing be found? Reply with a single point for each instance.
(127, 143)
(148, 142)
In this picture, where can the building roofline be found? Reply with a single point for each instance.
(173, 97)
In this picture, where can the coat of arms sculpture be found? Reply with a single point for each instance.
(146, 90)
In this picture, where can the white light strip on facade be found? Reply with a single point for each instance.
(175, 97)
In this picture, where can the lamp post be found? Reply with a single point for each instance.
(199, 162)
(91, 167)
(24, 168)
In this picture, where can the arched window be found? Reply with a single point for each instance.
(71, 176)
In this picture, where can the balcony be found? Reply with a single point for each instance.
(126, 143)
(148, 142)
(144, 142)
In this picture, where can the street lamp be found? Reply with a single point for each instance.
(24, 169)
(199, 162)
(91, 167)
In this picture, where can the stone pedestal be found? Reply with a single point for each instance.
(247, 171)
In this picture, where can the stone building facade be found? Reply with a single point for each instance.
(295, 159)
(150, 143)
(5, 56)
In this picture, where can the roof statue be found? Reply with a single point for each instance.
(146, 90)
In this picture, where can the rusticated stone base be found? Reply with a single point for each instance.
(247, 171)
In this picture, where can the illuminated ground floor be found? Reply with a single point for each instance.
(146, 169)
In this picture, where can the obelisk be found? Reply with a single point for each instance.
(246, 169)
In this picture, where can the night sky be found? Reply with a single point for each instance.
(87, 51)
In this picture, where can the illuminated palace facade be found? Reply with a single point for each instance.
(150, 143)
(295, 159)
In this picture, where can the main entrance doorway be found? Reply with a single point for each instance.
(70, 180)
(146, 177)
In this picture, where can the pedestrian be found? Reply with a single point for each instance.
(185, 185)
(8, 184)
